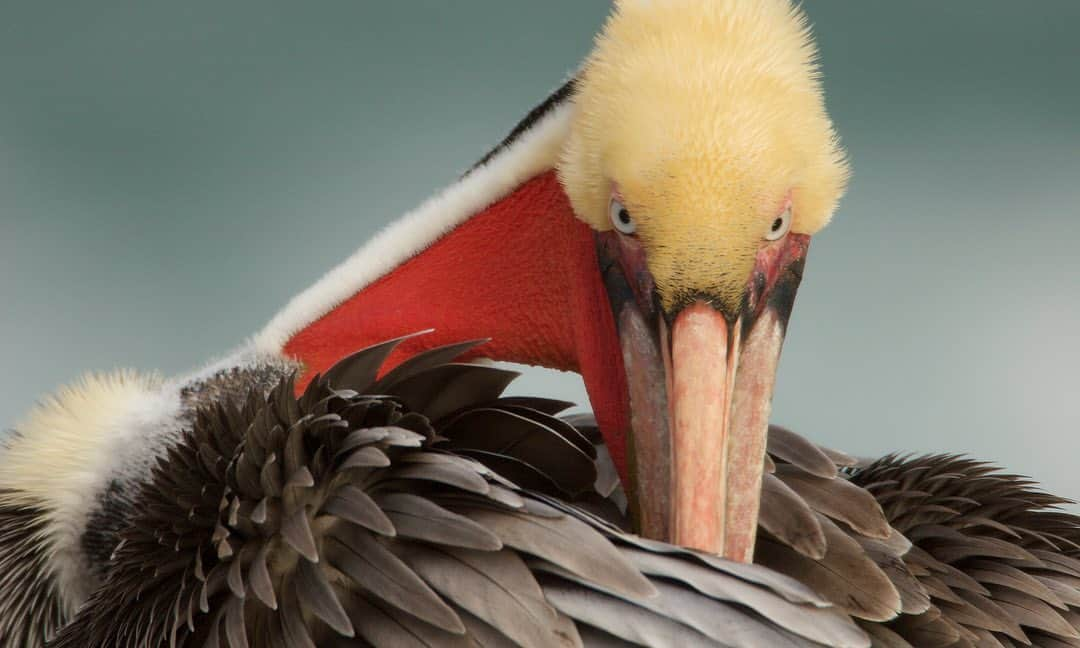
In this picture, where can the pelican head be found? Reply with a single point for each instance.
(702, 155)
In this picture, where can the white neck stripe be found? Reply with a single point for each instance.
(533, 152)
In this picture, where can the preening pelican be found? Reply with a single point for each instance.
(647, 226)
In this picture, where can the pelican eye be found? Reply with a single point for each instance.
(621, 218)
(779, 226)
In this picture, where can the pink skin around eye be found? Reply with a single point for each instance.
(616, 195)
(784, 206)
(772, 258)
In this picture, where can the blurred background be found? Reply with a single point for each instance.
(171, 173)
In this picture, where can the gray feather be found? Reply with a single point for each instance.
(385, 626)
(997, 573)
(787, 516)
(359, 370)
(840, 500)
(569, 543)
(619, 618)
(319, 597)
(1032, 612)
(722, 623)
(882, 637)
(452, 475)
(451, 387)
(383, 574)
(495, 586)
(786, 586)
(420, 518)
(421, 362)
(845, 576)
(351, 503)
(824, 625)
(794, 449)
(297, 533)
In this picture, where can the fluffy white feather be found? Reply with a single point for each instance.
(64, 452)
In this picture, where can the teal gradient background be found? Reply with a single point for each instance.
(171, 173)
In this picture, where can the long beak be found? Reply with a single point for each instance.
(698, 454)
(700, 396)
(720, 397)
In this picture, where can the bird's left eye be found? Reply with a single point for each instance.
(621, 218)
(779, 226)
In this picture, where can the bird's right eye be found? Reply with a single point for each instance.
(780, 226)
(621, 218)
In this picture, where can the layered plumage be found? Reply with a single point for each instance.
(998, 559)
(423, 508)
(417, 509)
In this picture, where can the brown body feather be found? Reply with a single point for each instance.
(370, 513)
(423, 509)
(999, 561)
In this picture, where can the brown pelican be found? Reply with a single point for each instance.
(647, 226)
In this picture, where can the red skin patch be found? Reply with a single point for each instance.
(522, 272)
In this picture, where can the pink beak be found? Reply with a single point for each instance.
(697, 446)
(720, 397)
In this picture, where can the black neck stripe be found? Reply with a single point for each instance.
(536, 114)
